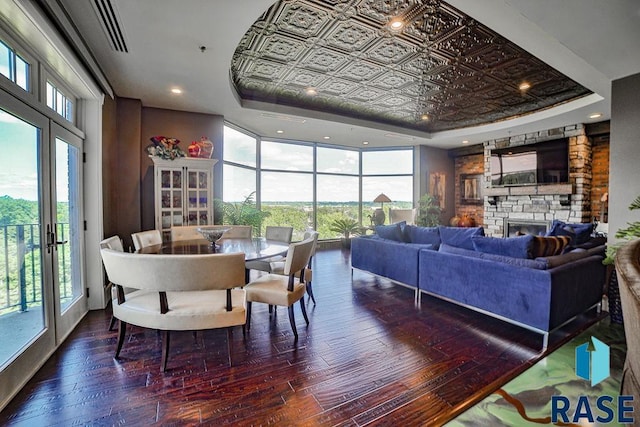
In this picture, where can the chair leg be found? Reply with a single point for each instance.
(112, 323)
(292, 320)
(165, 352)
(248, 316)
(122, 329)
(304, 311)
(310, 292)
(270, 309)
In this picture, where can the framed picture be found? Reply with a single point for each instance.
(471, 189)
(437, 187)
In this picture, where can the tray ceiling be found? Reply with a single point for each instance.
(442, 64)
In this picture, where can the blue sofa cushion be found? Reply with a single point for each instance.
(391, 232)
(423, 235)
(538, 264)
(517, 247)
(459, 236)
(580, 233)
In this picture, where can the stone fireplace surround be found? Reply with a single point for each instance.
(540, 203)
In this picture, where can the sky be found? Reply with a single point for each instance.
(18, 158)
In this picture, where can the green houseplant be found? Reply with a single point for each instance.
(347, 227)
(428, 211)
(242, 213)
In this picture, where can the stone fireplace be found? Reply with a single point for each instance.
(534, 207)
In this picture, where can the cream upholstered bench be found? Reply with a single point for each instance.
(176, 292)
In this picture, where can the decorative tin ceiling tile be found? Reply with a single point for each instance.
(442, 63)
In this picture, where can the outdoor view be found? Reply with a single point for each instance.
(287, 182)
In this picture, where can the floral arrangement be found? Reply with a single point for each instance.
(165, 148)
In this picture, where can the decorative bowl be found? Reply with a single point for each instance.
(212, 234)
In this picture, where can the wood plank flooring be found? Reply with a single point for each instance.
(368, 357)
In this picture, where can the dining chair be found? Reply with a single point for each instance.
(237, 232)
(283, 290)
(277, 267)
(143, 239)
(275, 233)
(114, 243)
(185, 232)
(398, 215)
(177, 293)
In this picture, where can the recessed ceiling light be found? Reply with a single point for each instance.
(465, 142)
(326, 137)
(595, 116)
(279, 131)
(524, 86)
(396, 24)
(311, 91)
(424, 117)
(176, 90)
(365, 142)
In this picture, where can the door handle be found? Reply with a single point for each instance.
(50, 238)
(55, 241)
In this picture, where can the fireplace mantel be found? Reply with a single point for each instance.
(529, 190)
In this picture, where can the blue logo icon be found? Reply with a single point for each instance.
(592, 361)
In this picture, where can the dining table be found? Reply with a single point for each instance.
(256, 248)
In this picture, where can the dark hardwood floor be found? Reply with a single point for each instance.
(368, 357)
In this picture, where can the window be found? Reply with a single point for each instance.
(14, 67)
(309, 185)
(59, 102)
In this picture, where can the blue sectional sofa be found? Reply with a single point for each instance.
(504, 278)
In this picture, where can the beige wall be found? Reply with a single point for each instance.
(624, 168)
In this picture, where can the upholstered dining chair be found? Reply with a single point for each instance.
(143, 239)
(185, 232)
(114, 243)
(283, 290)
(398, 215)
(277, 267)
(275, 233)
(176, 293)
(237, 231)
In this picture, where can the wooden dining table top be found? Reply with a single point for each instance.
(254, 249)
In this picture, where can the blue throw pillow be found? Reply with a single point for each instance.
(538, 264)
(579, 233)
(517, 247)
(390, 232)
(459, 236)
(423, 235)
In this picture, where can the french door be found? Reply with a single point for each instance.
(41, 240)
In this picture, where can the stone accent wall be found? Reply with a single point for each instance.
(546, 202)
(471, 164)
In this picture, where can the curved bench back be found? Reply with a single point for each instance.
(174, 272)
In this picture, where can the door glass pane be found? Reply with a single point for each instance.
(68, 219)
(21, 308)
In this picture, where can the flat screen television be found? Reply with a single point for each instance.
(542, 163)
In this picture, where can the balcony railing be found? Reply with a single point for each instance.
(21, 270)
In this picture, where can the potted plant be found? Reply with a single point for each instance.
(613, 294)
(346, 227)
(242, 213)
(428, 211)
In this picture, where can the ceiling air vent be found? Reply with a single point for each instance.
(111, 25)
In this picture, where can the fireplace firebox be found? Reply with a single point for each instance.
(516, 227)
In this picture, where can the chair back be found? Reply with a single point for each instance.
(627, 264)
(314, 235)
(143, 239)
(279, 234)
(398, 215)
(237, 232)
(298, 256)
(165, 273)
(186, 232)
(112, 242)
